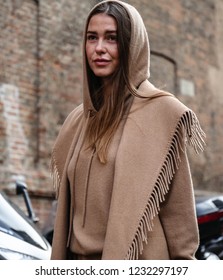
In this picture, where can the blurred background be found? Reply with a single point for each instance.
(41, 81)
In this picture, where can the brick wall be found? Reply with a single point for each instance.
(18, 77)
(41, 73)
(60, 67)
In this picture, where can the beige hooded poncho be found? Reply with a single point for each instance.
(144, 194)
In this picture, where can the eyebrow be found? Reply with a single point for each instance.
(107, 31)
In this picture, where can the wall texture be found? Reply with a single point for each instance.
(41, 73)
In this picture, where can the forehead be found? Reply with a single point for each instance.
(102, 22)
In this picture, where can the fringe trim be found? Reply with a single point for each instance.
(55, 175)
(188, 126)
(53, 165)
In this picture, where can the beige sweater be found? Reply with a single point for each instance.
(150, 213)
(92, 199)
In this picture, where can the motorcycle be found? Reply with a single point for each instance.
(19, 237)
(210, 222)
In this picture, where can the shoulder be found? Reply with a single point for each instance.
(68, 130)
(72, 121)
(162, 101)
(74, 116)
(170, 106)
(163, 112)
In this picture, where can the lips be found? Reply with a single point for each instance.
(101, 61)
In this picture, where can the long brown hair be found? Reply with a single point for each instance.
(110, 107)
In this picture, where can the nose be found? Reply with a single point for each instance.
(100, 47)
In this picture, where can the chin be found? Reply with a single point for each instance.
(102, 75)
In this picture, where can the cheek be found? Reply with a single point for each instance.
(88, 52)
(116, 53)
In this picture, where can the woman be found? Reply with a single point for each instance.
(119, 163)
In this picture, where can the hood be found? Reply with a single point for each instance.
(139, 58)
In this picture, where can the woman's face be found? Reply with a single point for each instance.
(102, 46)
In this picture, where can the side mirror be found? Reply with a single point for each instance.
(21, 188)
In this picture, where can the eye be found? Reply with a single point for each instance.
(112, 37)
(91, 37)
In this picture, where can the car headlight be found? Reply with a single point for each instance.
(7, 254)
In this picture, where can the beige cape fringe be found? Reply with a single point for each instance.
(188, 125)
(55, 175)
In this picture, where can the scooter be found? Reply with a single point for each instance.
(210, 222)
(19, 237)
